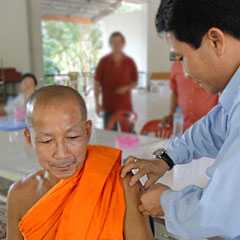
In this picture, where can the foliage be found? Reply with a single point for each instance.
(70, 47)
(129, 7)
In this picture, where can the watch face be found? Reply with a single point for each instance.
(159, 152)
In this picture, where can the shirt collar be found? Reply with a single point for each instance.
(228, 96)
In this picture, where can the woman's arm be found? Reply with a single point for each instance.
(98, 94)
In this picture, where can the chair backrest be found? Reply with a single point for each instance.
(150, 127)
(10, 75)
(125, 119)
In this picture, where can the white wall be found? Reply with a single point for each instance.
(144, 44)
(20, 35)
(134, 26)
(14, 41)
(35, 37)
(158, 49)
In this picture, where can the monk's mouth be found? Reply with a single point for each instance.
(64, 166)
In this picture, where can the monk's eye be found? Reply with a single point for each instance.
(45, 141)
(73, 137)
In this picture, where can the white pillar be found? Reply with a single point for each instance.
(158, 49)
(35, 37)
(14, 36)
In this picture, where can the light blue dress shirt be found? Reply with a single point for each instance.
(195, 213)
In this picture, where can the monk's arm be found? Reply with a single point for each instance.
(137, 226)
(13, 216)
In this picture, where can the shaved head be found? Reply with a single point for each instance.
(54, 96)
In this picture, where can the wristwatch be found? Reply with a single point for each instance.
(162, 155)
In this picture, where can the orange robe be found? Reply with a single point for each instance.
(87, 206)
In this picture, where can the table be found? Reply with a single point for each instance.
(10, 124)
(17, 159)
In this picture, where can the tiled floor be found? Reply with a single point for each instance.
(4, 186)
(2, 220)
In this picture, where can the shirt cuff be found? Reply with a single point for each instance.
(177, 151)
(167, 201)
(172, 152)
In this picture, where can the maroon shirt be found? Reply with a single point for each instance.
(111, 76)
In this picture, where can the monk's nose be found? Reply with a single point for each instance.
(61, 150)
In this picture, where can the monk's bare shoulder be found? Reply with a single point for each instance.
(24, 193)
(136, 225)
(131, 191)
(26, 185)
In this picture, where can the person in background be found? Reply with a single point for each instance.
(187, 95)
(28, 84)
(115, 77)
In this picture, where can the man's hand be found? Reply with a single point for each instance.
(150, 201)
(153, 169)
(99, 109)
(123, 90)
(165, 127)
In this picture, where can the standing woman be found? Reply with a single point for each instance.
(116, 75)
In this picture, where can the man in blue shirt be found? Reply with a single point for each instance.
(207, 34)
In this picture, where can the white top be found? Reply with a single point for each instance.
(14, 103)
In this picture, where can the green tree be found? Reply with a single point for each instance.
(70, 47)
(129, 7)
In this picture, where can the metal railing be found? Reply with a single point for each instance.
(86, 81)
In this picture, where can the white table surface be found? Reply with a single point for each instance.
(17, 159)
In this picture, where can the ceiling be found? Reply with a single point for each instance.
(84, 11)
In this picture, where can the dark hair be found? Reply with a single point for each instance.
(190, 20)
(117, 34)
(29, 75)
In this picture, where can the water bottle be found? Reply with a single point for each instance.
(178, 123)
(177, 132)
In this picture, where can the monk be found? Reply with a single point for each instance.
(78, 194)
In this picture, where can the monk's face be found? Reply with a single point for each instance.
(60, 137)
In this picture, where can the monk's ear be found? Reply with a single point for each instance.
(89, 129)
(27, 136)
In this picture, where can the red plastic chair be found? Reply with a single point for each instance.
(152, 127)
(2, 111)
(126, 120)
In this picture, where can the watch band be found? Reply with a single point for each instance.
(162, 155)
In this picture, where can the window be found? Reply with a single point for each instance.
(129, 7)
